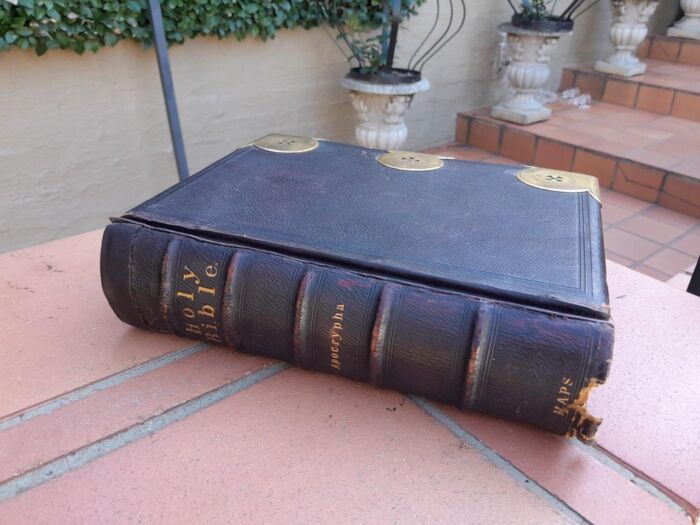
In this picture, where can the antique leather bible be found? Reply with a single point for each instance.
(473, 284)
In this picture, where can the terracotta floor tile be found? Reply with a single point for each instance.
(573, 135)
(674, 124)
(591, 163)
(591, 83)
(545, 129)
(689, 166)
(619, 259)
(678, 147)
(689, 243)
(484, 135)
(651, 157)
(630, 118)
(568, 472)
(299, 448)
(104, 413)
(518, 145)
(671, 217)
(613, 214)
(611, 147)
(620, 92)
(683, 187)
(629, 245)
(623, 201)
(690, 53)
(553, 154)
(465, 153)
(670, 261)
(497, 159)
(686, 105)
(639, 174)
(652, 133)
(656, 100)
(652, 272)
(679, 205)
(664, 49)
(634, 189)
(655, 360)
(594, 129)
(652, 229)
(58, 332)
(567, 79)
(575, 114)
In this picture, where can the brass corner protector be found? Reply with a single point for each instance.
(556, 180)
(410, 161)
(286, 143)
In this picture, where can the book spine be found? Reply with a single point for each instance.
(483, 355)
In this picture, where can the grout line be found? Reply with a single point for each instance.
(499, 461)
(646, 484)
(97, 449)
(109, 382)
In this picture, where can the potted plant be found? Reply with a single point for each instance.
(532, 34)
(381, 92)
(629, 28)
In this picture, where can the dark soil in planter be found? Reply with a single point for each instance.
(546, 25)
(395, 76)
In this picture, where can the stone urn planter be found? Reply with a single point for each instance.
(529, 53)
(380, 109)
(689, 25)
(629, 28)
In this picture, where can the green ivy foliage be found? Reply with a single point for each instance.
(88, 25)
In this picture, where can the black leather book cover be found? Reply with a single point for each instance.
(469, 226)
(473, 284)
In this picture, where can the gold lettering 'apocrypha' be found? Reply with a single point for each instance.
(336, 335)
(561, 407)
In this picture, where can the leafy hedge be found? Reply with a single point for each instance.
(87, 25)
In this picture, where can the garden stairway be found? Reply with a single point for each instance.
(640, 137)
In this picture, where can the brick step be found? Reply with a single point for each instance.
(671, 49)
(666, 88)
(655, 158)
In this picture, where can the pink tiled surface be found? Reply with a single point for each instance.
(303, 447)
(103, 413)
(651, 399)
(646, 237)
(54, 315)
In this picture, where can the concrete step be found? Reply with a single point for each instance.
(666, 88)
(646, 155)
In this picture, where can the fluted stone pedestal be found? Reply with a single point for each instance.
(529, 53)
(627, 32)
(689, 25)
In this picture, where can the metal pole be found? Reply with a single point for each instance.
(166, 81)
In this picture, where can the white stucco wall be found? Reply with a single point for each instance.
(86, 137)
